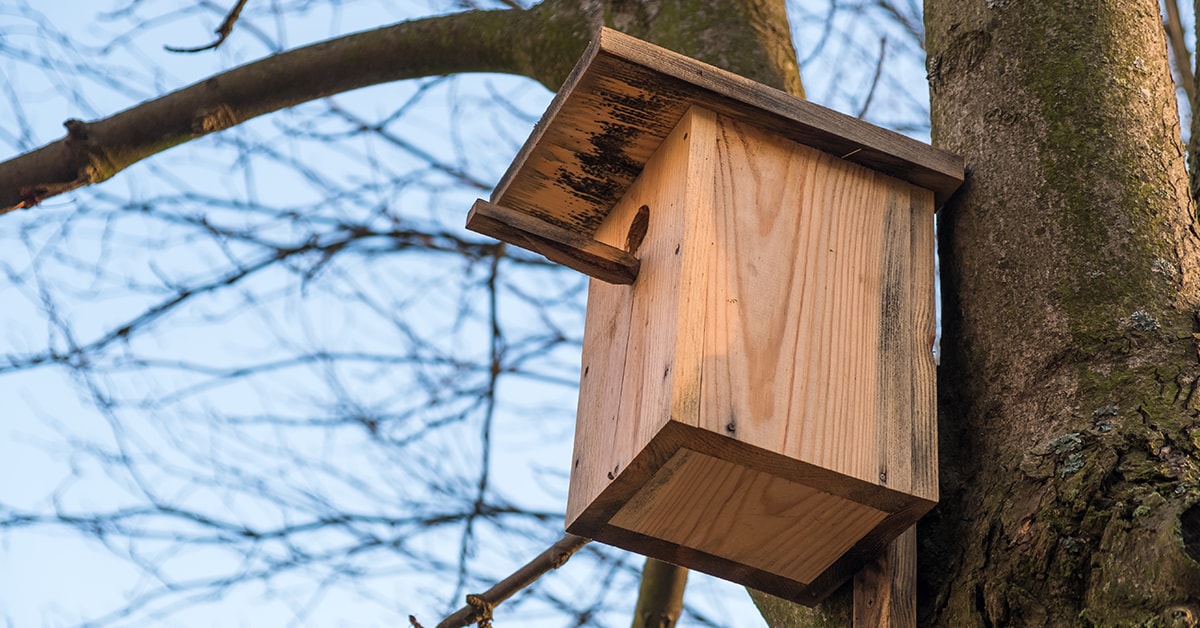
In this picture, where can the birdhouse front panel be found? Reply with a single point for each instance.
(757, 387)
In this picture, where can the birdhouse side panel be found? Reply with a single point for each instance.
(906, 394)
(663, 362)
(634, 364)
(598, 419)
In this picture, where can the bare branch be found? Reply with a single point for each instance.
(507, 41)
(222, 31)
(862, 112)
(908, 20)
(1178, 45)
(660, 597)
(1193, 145)
(480, 608)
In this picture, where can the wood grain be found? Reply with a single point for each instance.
(885, 591)
(818, 284)
(760, 520)
(596, 521)
(905, 396)
(629, 363)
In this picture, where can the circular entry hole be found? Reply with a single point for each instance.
(637, 229)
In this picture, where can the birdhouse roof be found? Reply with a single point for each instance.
(624, 97)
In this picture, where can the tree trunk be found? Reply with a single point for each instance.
(1069, 453)
(748, 37)
(660, 596)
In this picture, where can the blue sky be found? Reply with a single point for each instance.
(412, 328)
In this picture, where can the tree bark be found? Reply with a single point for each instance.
(1069, 262)
(748, 37)
(1193, 147)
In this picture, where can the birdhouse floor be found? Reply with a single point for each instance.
(740, 513)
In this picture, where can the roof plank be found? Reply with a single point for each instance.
(624, 97)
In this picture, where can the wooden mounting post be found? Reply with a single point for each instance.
(885, 591)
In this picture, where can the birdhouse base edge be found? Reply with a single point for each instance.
(766, 521)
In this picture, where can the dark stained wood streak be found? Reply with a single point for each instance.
(885, 591)
(624, 97)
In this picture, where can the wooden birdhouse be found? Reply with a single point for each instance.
(757, 392)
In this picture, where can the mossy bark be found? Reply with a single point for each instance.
(1070, 444)
(748, 37)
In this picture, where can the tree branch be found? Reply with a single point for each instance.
(1178, 45)
(862, 111)
(1193, 145)
(660, 597)
(479, 606)
(222, 31)
(531, 43)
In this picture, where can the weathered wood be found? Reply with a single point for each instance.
(625, 96)
(618, 354)
(592, 258)
(758, 404)
(674, 437)
(885, 591)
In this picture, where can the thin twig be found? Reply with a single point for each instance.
(552, 558)
(1178, 46)
(222, 31)
(911, 21)
(875, 80)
